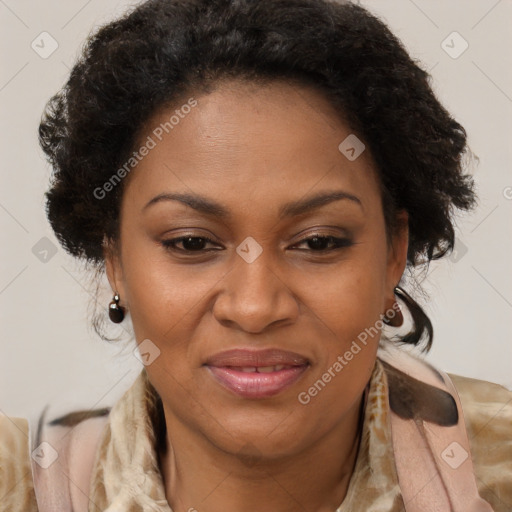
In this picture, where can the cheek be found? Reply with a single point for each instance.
(170, 304)
(351, 295)
(347, 305)
(346, 321)
(158, 294)
(161, 293)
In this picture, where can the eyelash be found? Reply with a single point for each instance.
(340, 243)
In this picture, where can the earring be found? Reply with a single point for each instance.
(394, 317)
(115, 311)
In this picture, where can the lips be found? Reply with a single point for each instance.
(242, 358)
(256, 374)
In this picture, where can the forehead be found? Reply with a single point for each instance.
(268, 142)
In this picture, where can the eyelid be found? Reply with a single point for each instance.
(170, 243)
(340, 242)
(323, 231)
(317, 231)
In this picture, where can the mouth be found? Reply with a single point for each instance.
(257, 382)
(256, 374)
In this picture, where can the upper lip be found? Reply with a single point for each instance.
(256, 358)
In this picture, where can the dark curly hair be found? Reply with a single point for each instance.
(164, 49)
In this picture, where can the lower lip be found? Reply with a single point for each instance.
(254, 384)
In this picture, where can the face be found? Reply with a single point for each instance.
(253, 258)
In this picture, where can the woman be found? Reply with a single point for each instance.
(254, 178)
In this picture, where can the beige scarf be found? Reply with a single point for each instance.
(124, 474)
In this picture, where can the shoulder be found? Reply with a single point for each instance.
(16, 485)
(487, 409)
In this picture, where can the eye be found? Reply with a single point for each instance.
(325, 243)
(197, 244)
(189, 244)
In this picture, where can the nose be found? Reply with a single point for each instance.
(255, 297)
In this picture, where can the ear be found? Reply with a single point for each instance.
(397, 255)
(114, 268)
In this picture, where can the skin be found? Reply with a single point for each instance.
(253, 148)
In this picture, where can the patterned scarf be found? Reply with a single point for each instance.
(126, 475)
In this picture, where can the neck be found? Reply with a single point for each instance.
(199, 476)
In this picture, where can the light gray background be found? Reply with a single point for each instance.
(48, 352)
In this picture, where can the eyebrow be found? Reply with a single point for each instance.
(291, 209)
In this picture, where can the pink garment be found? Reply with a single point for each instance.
(112, 460)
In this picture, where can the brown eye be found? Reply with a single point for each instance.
(189, 243)
(316, 243)
(319, 243)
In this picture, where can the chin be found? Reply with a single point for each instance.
(258, 446)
